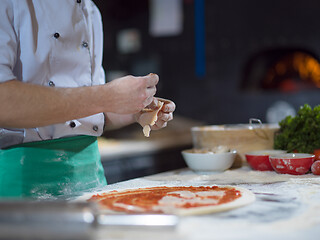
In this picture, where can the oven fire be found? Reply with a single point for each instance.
(293, 72)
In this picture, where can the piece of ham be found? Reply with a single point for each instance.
(149, 118)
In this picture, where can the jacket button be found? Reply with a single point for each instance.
(78, 1)
(85, 44)
(51, 84)
(72, 124)
(95, 128)
(56, 35)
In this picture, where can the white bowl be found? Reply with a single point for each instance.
(209, 161)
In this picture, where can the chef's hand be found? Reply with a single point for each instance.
(129, 94)
(165, 114)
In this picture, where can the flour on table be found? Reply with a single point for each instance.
(234, 176)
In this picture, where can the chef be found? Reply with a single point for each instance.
(54, 101)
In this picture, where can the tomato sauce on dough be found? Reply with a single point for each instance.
(159, 199)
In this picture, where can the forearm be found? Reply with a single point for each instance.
(25, 105)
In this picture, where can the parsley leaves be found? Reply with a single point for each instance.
(300, 133)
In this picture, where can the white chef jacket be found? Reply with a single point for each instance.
(56, 44)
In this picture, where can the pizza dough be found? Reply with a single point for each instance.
(149, 118)
(174, 200)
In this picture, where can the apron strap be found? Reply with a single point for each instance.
(44, 169)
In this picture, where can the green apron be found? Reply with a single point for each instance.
(44, 169)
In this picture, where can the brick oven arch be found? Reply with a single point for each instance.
(282, 69)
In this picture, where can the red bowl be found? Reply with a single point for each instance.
(259, 160)
(292, 163)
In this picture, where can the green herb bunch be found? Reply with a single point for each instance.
(300, 133)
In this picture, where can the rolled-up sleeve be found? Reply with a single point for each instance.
(8, 41)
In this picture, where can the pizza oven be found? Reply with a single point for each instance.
(284, 77)
(262, 59)
(287, 70)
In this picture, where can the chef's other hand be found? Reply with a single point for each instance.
(165, 114)
(129, 94)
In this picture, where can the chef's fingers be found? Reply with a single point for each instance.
(148, 101)
(159, 124)
(168, 105)
(152, 80)
(154, 104)
(150, 92)
(162, 121)
(166, 117)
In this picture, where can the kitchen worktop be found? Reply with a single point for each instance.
(126, 153)
(286, 207)
(130, 141)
